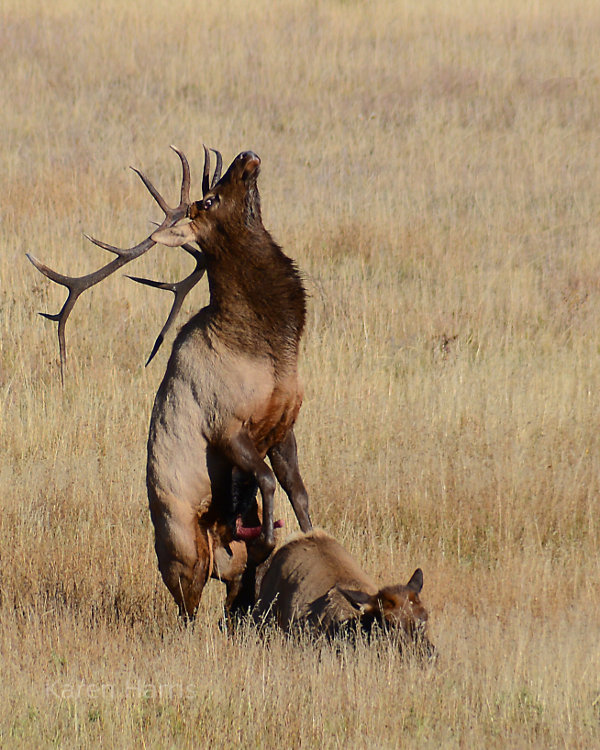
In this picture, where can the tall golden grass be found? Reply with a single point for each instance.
(433, 168)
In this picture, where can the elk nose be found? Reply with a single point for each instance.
(249, 156)
(250, 164)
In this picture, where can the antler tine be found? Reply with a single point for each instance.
(185, 185)
(185, 180)
(77, 285)
(207, 183)
(217, 174)
(61, 317)
(151, 189)
(206, 171)
(180, 289)
(105, 245)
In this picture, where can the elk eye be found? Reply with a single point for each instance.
(210, 202)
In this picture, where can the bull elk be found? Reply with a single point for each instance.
(230, 394)
(312, 582)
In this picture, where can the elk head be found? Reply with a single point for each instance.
(229, 209)
(397, 609)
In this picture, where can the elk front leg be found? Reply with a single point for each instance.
(284, 460)
(241, 451)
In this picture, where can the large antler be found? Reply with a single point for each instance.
(77, 285)
(182, 288)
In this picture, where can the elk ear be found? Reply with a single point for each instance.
(358, 599)
(176, 236)
(416, 582)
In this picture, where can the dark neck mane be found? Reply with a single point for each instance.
(257, 299)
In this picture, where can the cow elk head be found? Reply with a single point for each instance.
(396, 609)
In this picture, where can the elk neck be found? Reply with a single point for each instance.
(257, 298)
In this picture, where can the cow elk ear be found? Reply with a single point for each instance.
(365, 603)
(416, 582)
(175, 236)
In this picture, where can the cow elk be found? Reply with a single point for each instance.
(231, 392)
(312, 583)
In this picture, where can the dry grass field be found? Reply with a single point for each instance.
(434, 169)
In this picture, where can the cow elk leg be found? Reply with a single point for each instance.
(284, 460)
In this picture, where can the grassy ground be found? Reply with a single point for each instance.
(434, 172)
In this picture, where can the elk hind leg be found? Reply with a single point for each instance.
(185, 567)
